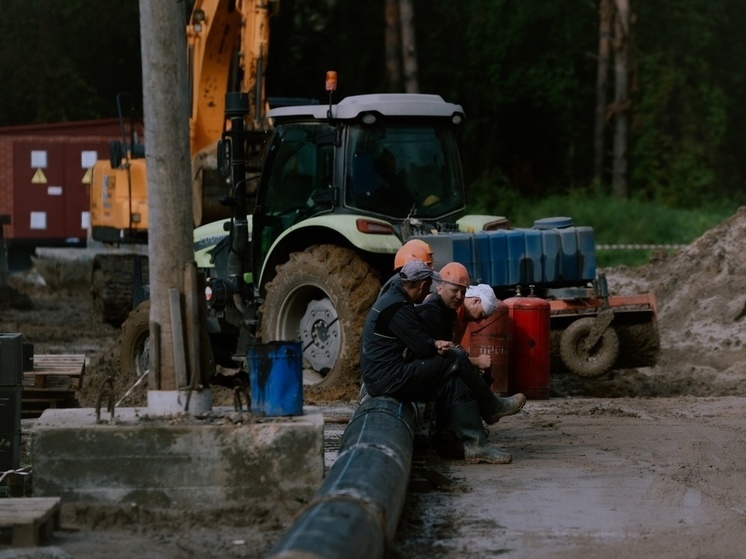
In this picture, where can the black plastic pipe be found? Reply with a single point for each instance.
(356, 510)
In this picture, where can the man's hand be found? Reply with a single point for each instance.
(482, 361)
(443, 346)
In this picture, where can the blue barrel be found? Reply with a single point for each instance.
(276, 378)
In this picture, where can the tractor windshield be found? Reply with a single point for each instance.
(400, 170)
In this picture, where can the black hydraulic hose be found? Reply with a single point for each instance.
(356, 510)
(236, 108)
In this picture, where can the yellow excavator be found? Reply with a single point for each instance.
(227, 46)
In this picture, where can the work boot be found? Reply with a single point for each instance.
(491, 407)
(504, 407)
(468, 426)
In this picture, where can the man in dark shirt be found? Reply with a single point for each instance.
(439, 317)
(398, 358)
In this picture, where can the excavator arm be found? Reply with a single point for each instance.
(227, 48)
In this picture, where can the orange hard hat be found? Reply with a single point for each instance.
(455, 273)
(414, 249)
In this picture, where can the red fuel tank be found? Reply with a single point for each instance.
(529, 348)
(491, 336)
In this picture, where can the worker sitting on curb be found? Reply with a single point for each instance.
(441, 317)
(398, 358)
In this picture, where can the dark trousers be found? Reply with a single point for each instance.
(433, 379)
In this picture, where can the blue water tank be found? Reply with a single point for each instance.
(498, 244)
(463, 251)
(586, 253)
(516, 243)
(553, 223)
(551, 255)
(531, 268)
(482, 257)
(569, 250)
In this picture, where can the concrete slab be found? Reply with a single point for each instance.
(216, 460)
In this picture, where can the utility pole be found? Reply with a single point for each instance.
(166, 115)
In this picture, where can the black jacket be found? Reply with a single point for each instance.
(393, 335)
(437, 319)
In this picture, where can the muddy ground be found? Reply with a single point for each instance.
(640, 462)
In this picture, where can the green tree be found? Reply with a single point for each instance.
(687, 130)
(64, 61)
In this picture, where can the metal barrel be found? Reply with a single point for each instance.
(356, 510)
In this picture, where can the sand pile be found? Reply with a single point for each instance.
(701, 296)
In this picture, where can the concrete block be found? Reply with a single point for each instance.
(221, 460)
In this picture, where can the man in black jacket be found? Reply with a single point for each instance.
(439, 317)
(398, 358)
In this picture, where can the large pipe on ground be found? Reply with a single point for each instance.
(356, 510)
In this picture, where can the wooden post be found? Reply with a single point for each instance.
(192, 324)
(167, 150)
(177, 338)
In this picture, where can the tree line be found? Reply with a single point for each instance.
(526, 73)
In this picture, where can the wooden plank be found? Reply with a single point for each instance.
(31, 519)
(58, 363)
(50, 372)
(46, 381)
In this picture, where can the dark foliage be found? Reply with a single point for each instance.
(525, 73)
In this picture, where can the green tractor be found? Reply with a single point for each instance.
(342, 187)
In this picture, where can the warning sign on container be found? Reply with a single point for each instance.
(39, 177)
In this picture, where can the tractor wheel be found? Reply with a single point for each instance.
(134, 348)
(321, 297)
(588, 362)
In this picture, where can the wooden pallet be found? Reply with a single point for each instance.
(56, 371)
(52, 383)
(30, 520)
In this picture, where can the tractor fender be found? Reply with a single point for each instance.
(205, 237)
(345, 226)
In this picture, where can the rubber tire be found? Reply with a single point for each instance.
(588, 364)
(133, 344)
(327, 271)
